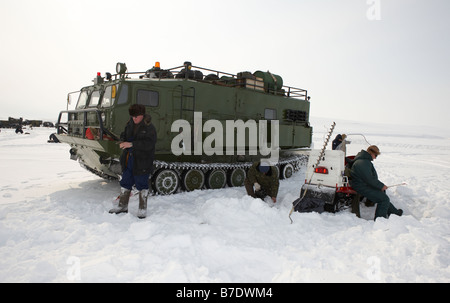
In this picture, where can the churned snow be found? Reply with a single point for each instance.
(55, 225)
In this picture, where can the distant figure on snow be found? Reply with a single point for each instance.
(339, 143)
(19, 129)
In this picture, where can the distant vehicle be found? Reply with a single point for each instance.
(183, 93)
(48, 124)
(14, 123)
(11, 122)
(33, 123)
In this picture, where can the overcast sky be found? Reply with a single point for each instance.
(381, 61)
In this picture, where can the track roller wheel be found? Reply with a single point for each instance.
(236, 177)
(165, 181)
(216, 178)
(193, 179)
(286, 171)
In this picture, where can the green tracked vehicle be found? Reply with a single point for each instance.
(209, 124)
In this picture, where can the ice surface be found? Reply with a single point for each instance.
(55, 225)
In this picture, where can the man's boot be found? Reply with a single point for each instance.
(123, 202)
(142, 212)
(393, 210)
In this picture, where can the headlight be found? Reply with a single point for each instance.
(121, 68)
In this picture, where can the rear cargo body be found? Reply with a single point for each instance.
(326, 184)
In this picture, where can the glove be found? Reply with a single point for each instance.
(257, 186)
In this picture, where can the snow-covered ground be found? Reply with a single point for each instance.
(55, 225)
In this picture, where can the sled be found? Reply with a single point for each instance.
(326, 186)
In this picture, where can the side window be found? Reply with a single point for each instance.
(123, 97)
(147, 97)
(95, 97)
(109, 96)
(270, 114)
(82, 99)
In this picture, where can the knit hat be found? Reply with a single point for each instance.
(263, 169)
(264, 166)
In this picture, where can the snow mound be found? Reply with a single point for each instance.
(55, 225)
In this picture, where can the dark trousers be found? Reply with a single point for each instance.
(129, 179)
(384, 206)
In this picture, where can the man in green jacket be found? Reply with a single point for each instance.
(261, 181)
(364, 179)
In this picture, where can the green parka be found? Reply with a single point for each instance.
(363, 174)
(269, 182)
(364, 180)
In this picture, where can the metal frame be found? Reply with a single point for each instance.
(289, 91)
(63, 130)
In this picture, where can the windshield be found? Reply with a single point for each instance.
(109, 96)
(95, 98)
(82, 99)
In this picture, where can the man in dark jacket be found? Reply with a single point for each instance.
(261, 181)
(364, 179)
(336, 142)
(138, 143)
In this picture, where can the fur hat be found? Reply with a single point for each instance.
(373, 149)
(136, 110)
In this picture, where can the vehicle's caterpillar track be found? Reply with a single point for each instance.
(171, 177)
(296, 161)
